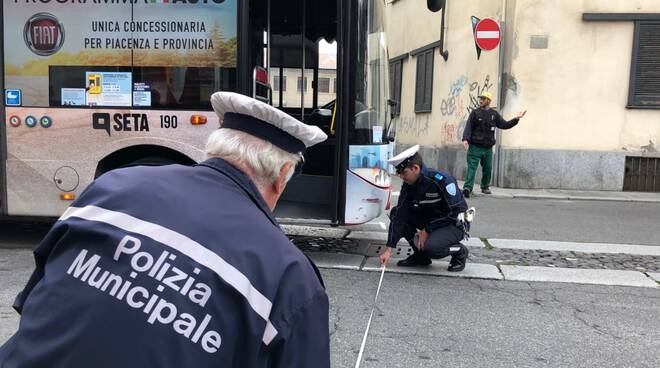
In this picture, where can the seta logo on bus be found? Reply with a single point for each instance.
(122, 1)
(120, 122)
(43, 34)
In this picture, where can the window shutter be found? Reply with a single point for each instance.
(392, 80)
(395, 85)
(428, 86)
(397, 91)
(419, 83)
(645, 86)
(424, 82)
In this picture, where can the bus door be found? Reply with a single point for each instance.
(297, 47)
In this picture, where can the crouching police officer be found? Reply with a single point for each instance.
(178, 266)
(430, 201)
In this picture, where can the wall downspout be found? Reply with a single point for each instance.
(498, 164)
(443, 52)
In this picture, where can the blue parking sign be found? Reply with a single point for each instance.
(13, 97)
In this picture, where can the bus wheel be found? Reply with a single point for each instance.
(141, 155)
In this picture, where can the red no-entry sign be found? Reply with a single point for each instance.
(487, 34)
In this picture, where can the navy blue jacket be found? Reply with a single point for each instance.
(170, 266)
(432, 202)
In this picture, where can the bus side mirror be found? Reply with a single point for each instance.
(435, 5)
(392, 104)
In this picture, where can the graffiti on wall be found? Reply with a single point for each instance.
(459, 102)
(454, 103)
(414, 126)
(477, 88)
(448, 105)
(452, 132)
(455, 107)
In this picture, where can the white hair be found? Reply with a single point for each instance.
(257, 155)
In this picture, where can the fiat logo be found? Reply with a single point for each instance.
(44, 34)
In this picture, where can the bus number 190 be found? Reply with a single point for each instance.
(168, 121)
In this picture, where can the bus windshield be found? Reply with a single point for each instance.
(371, 75)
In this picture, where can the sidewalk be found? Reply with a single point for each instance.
(493, 259)
(560, 194)
(576, 195)
(356, 247)
(488, 271)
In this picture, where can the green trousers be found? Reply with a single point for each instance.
(476, 155)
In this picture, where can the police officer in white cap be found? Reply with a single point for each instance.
(427, 214)
(178, 266)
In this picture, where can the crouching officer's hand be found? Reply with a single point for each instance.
(423, 235)
(385, 256)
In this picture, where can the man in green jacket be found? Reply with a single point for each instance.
(479, 139)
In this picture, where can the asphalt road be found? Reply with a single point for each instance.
(424, 321)
(444, 322)
(22, 234)
(564, 220)
(561, 220)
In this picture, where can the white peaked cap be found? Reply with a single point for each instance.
(240, 112)
(404, 156)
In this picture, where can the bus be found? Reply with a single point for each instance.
(94, 85)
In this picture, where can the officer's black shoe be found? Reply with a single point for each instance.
(466, 193)
(458, 260)
(415, 259)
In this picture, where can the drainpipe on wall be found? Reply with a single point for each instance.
(444, 53)
(498, 164)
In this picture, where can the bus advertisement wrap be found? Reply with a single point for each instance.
(155, 33)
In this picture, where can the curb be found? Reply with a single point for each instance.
(369, 239)
(380, 238)
(578, 198)
(588, 195)
(558, 246)
(479, 271)
(566, 197)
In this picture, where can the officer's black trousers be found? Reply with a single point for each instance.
(439, 242)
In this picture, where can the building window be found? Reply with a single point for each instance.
(424, 81)
(324, 85)
(644, 91)
(395, 85)
(302, 85)
(276, 84)
(334, 86)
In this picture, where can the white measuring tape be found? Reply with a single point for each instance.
(366, 332)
